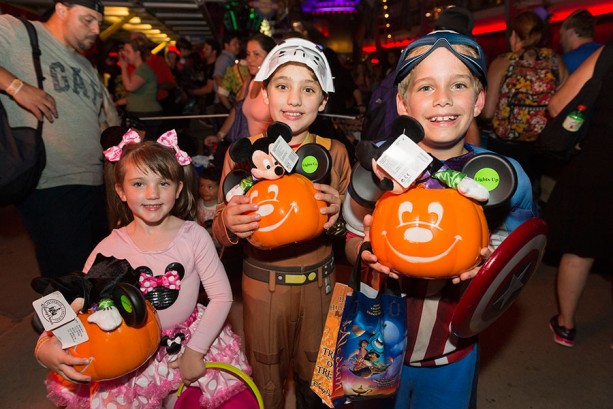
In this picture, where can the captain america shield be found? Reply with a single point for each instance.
(501, 279)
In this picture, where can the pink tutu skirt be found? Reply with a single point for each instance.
(149, 385)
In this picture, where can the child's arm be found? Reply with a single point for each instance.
(50, 354)
(215, 281)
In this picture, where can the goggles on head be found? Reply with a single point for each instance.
(447, 39)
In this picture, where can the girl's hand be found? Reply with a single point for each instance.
(236, 221)
(331, 196)
(51, 355)
(486, 252)
(191, 366)
(368, 257)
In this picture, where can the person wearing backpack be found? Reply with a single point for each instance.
(522, 82)
(65, 215)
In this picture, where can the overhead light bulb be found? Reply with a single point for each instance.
(116, 11)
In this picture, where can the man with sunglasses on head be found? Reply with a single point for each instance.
(441, 81)
(65, 214)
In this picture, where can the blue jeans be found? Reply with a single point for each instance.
(65, 223)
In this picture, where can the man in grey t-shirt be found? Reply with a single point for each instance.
(65, 215)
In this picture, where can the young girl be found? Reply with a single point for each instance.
(154, 200)
(283, 319)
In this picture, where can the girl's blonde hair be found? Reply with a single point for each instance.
(159, 159)
(403, 86)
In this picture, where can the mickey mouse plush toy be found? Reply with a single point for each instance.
(263, 163)
(264, 166)
(257, 154)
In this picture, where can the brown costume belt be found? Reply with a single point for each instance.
(289, 275)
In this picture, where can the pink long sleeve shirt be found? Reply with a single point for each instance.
(194, 250)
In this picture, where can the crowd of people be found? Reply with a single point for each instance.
(164, 212)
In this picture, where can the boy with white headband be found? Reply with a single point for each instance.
(441, 81)
(284, 321)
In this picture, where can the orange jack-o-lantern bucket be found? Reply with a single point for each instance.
(429, 233)
(118, 352)
(290, 213)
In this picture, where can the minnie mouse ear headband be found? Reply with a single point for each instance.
(300, 51)
(168, 139)
(447, 39)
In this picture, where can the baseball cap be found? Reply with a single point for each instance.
(95, 5)
(300, 51)
(443, 38)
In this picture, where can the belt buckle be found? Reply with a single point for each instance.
(298, 279)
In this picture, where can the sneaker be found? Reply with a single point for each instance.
(562, 335)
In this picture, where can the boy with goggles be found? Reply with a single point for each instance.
(441, 81)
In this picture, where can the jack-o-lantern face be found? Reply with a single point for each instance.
(289, 211)
(430, 233)
(120, 351)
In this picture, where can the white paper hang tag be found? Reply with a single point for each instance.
(71, 334)
(56, 315)
(53, 310)
(404, 161)
(284, 154)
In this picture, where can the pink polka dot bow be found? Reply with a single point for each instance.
(113, 154)
(170, 139)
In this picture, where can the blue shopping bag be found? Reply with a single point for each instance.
(371, 340)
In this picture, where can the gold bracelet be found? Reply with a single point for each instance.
(15, 87)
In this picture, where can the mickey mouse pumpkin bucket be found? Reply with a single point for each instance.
(122, 327)
(428, 233)
(290, 213)
(124, 349)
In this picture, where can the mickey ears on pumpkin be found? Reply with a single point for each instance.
(277, 129)
(402, 125)
(240, 151)
(131, 304)
(408, 126)
(314, 163)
